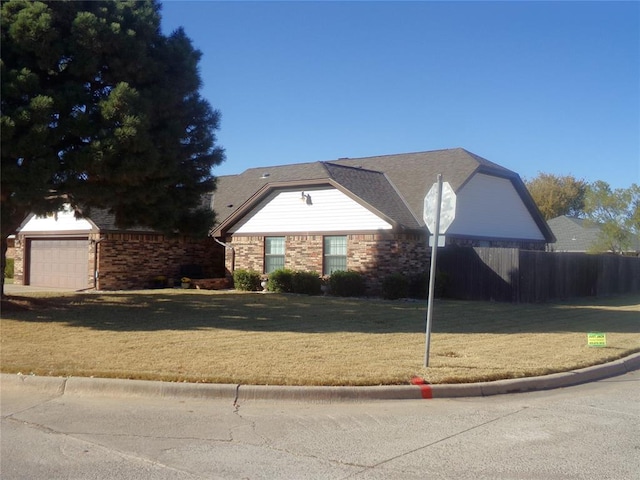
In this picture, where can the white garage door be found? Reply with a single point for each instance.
(60, 263)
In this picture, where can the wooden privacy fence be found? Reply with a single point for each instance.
(513, 275)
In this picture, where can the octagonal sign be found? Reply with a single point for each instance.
(447, 208)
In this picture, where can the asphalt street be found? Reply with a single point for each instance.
(580, 432)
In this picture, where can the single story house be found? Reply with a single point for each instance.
(574, 234)
(366, 214)
(363, 214)
(63, 251)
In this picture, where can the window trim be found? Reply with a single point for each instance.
(326, 256)
(272, 256)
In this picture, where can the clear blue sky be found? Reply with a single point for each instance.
(549, 87)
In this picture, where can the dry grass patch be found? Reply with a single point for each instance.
(252, 338)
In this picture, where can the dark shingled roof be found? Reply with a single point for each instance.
(375, 189)
(413, 174)
(572, 235)
(106, 221)
(394, 185)
(575, 234)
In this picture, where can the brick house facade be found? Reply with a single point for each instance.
(89, 256)
(374, 255)
(376, 205)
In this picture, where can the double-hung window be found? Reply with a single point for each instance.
(273, 253)
(335, 253)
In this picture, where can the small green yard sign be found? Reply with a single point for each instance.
(596, 339)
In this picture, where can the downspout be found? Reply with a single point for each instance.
(95, 263)
(226, 245)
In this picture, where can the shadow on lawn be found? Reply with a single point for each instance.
(175, 310)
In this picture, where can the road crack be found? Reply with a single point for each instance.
(440, 440)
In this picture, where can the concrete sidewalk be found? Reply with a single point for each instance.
(239, 393)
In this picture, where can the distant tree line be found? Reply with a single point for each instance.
(615, 211)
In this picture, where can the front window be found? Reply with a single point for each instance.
(273, 253)
(335, 254)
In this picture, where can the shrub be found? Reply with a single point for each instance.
(442, 288)
(395, 286)
(280, 281)
(347, 284)
(308, 283)
(419, 285)
(246, 280)
(8, 269)
(159, 281)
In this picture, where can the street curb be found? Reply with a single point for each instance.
(83, 386)
(144, 388)
(48, 385)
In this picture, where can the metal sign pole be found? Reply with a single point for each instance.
(432, 275)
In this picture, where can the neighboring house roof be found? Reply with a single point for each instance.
(575, 234)
(572, 235)
(394, 185)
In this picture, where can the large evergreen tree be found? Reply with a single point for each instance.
(101, 110)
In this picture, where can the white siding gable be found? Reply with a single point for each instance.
(330, 211)
(490, 206)
(63, 221)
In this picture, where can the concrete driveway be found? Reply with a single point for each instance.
(11, 289)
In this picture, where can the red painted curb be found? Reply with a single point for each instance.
(426, 391)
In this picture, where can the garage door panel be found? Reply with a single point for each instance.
(61, 263)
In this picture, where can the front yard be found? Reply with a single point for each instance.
(255, 338)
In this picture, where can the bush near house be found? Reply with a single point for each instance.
(159, 281)
(285, 280)
(347, 284)
(308, 283)
(398, 285)
(246, 280)
(395, 286)
(419, 285)
(280, 281)
(443, 285)
(8, 269)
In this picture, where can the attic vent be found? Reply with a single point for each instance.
(230, 205)
(265, 175)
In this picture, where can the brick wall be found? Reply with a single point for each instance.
(379, 255)
(247, 254)
(129, 260)
(375, 255)
(304, 252)
(18, 260)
